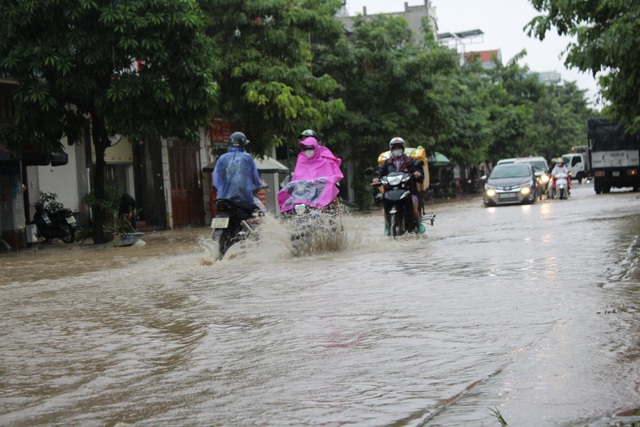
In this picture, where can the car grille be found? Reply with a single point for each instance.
(508, 188)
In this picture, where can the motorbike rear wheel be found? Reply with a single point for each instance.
(66, 233)
(225, 243)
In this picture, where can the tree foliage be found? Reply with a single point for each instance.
(607, 43)
(279, 66)
(75, 62)
(390, 86)
(269, 88)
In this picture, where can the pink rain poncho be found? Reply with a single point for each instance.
(314, 179)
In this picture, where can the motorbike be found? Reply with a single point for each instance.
(60, 224)
(560, 186)
(311, 210)
(472, 185)
(232, 223)
(398, 204)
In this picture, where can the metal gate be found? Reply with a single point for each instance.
(187, 202)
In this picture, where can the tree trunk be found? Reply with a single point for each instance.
(100, 143)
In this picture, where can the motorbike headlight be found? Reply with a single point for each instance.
(394, 180)
(544, 178)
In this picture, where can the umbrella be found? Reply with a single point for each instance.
(438, 159)
(265, 165)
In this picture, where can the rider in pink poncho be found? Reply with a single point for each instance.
(315, 163)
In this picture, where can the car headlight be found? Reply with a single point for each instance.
(490, 192)
(525, 191)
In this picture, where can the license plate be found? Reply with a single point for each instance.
(219, 222)
(615, 173)
(71, 219)
(507, 195)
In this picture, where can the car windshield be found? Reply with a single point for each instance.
(510, 171)
(538, 165)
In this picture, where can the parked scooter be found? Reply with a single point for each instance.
(398, 205)
(60, 224)
(560, 186)
(232, 224)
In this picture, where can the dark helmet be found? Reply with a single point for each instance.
(237, 139)
(397, 141)
(307, 133)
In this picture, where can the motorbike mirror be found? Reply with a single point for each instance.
(369, 171)
(419, 163)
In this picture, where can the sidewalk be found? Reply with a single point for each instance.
(178, 237)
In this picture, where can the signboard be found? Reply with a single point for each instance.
(219, 132)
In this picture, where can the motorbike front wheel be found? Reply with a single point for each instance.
(393, 224)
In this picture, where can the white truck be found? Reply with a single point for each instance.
(578, 163)
(614, 156)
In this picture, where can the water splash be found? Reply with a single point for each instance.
(276, 239)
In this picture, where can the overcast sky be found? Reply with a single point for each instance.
(502, 22)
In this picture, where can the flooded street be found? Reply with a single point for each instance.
(530, 312)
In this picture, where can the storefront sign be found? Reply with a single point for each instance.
(219, 132)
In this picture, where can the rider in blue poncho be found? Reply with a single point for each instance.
(235, 175)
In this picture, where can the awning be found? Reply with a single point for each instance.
(32, 155)
(270, 165)
(438, 159)
(265, 165)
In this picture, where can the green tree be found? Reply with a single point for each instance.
(513, 92)
(269, 86)
(533, 118)
(75, 62)
(561, 115)
(466, 98)
(605, 44)
(390, 86)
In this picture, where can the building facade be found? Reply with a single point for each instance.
(412, 14)
(165, 176)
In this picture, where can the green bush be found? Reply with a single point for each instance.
(110, 204)
(51, 203)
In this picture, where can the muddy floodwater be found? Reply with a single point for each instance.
(528, 315)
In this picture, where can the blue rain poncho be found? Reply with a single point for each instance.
(235, 176)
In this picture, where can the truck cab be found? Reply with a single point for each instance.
(577, 165)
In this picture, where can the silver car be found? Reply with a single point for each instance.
(540, 168)
(511, 183)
